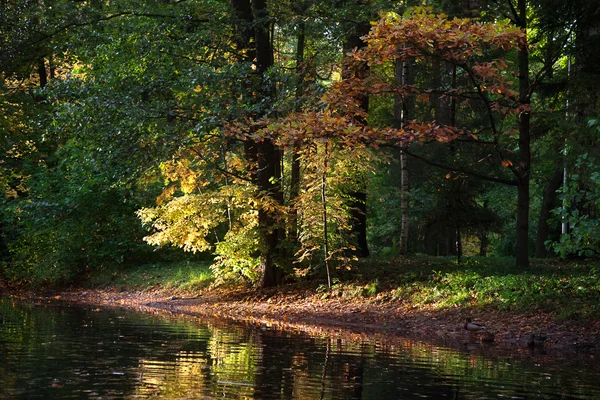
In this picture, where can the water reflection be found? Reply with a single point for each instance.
(57, 351)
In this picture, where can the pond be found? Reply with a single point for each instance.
(56, 350)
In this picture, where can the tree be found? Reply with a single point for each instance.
(483, 83)
(83, 131)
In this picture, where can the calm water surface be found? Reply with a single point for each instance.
(54, 351)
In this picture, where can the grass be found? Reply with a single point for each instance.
(572, 289)
(180, 276)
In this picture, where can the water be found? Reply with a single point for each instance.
(58, 351)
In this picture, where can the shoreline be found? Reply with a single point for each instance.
(306, 311)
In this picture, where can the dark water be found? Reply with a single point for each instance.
(53, 351)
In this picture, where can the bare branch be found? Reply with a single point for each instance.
(461, 170)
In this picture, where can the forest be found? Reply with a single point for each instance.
(278, 139)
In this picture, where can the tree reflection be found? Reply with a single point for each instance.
(57, 351)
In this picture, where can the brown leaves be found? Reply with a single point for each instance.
(421, 35)
(424, 34)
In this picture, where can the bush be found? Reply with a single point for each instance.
(583, 216)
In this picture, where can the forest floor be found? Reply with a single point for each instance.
(373, 309)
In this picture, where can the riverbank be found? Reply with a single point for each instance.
(423, 300)
(303, 310)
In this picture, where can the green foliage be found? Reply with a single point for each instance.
(96, 129)
(71, 231)
(582, 215)
(202, 209)
(339, 165)
(570, 289)
(236, 255)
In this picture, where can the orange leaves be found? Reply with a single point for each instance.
(423, 97)
(493, 80)
(453, 175)
(424, 34)
(466, 46)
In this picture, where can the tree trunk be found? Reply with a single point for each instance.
(268, 161)
(269, 157)
(358, 206)
(587, 62)
(359, 197)
(300, 89)
(548, 204)
(42, 72)
(483, 236)
(459, 249)
(524, 172)
(404, 204)
(294, 192)
(443, 79)
(324, 214)
(253, 41)
(484, 242)
(402, 71)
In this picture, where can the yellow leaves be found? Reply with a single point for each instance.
(166, 194)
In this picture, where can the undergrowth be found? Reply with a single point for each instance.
(178, 276)
(572, 289)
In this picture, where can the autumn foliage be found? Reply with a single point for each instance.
(333, 137)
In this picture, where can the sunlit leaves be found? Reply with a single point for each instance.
(424, 34)
(483, 77)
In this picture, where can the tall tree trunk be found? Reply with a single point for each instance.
(300, 89)
(404, 204)
(253, 41)
(269, 157)
(268, 162)
(443, 79)
(548, 204)
(484, 242)
(524, 172)
(402, 71)
(358, 205)
(324, 214)
(358, 202)
(587, 62)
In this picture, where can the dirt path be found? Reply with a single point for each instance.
(307, 311)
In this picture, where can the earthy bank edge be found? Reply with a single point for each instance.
(306, 311)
